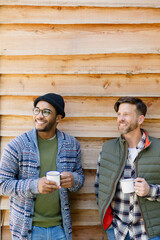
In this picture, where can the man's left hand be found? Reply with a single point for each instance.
(67, 179)
(141, 187)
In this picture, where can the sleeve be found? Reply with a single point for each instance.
(97, 178)
(154, 193)
(10, 184)
(78, 172)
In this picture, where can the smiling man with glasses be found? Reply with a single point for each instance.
(45, 112)
(39, 208)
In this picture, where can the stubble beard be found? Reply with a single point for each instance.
(48, 127)
(129, 129)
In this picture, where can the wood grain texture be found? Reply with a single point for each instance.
(4, 204)
(92, 127)
(78, 106)
(93, 64)
(89, 233)
(79, 15)
(78, 39)
(5, 218)
(6, 234)
(91, 52)
(80, 85)
(77, 3)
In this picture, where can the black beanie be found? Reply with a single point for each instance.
(55, 100)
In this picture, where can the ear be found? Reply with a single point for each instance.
(141, 119)
(58, 118)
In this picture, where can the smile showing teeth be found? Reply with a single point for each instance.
(122, 124)
(40, 122)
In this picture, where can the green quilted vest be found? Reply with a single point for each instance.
(113, 159)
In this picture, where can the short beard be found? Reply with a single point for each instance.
(48, 127)
(132, 127)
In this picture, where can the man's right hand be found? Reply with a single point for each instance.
(45, 186)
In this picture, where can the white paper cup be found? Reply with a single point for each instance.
(53, 176)
(127, 185)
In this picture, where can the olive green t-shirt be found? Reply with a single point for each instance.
(47, 211)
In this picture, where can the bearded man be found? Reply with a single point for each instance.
(132, 215)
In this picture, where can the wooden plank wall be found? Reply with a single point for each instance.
(91, 52)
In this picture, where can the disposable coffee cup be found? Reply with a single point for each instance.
(53, 176)
(127, 185)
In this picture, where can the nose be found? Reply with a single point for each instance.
(40, 114)
(121, 117)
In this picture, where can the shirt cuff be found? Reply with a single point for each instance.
(34, 186)
(152, 192)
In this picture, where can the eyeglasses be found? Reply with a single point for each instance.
(45, 112)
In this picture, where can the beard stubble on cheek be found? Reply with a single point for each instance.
(129, 127)
(48, 126)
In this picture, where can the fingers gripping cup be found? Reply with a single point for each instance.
(127, 185)
(53, 176)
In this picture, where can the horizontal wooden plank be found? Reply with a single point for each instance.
(79, 233)
(4, 203)
(93, 64)
(85, 201)
(5, 218)
(91, 148)
(78, 127)
(79, 15)
(5, 233)
(78, 85)
(77, 201)
(78, 39)
(89, 233)
(77, 106)
(85, 217)
(79, 217)
(100, 3)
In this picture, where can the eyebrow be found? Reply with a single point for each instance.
(125, 112)
(44, 109)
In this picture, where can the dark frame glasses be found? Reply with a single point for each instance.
(45, 112)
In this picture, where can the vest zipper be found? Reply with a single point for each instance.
(136, 177)
(116, 178)
(114, 182)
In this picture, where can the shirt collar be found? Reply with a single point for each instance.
(142, 142)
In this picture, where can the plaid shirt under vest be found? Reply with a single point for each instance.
(126, 211)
